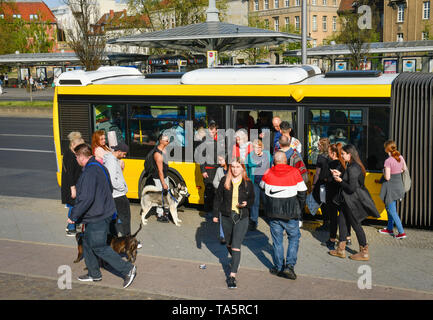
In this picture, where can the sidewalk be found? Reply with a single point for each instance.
(33, 244)
(21, 94)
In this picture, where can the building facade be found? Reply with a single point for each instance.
(278, 15)
(407, 20)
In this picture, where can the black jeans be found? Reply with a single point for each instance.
(234, 233)
(347, 216)
(333, 210)
(95, 245)
(123, 221)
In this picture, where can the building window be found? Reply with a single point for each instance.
(325, 23)
(276, 23)
(297, 2)
(314, 23)
(314, 2)
(2, 16)
(400, 13)
(256, 5)
(33, 17)
(276, 4)
(334, 23)
(297, 23)
(287, 3)
(426, 10)
(424, 36)
(287, 23)
(16, 16)
(325, 2)
(335, 2)
(400, 37)
(314, 43)
(266, 4)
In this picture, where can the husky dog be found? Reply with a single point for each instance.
(152, 197)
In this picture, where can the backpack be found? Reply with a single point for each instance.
(296, 161)
(149, 163)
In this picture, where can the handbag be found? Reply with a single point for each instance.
(407, 181)
(322, 193)
(312, 205)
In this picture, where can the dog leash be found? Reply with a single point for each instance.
(171, 195)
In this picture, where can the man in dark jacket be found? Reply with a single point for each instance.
(95, 207)
(285, 193)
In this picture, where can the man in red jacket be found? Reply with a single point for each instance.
(285, 193)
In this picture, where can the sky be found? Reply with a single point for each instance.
(53, 3)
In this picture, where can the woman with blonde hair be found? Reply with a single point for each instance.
(392, 188)
(99, 147)
(234, 197)
(257, 163)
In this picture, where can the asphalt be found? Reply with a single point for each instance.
(33, 247)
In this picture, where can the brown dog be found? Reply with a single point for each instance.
(126, 245)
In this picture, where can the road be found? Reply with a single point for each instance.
(27, 158)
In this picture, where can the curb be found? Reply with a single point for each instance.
(39, 112)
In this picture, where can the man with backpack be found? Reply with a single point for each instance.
(95, 207)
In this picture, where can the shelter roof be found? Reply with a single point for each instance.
(375, 47)
(62, 57)
(205, 36)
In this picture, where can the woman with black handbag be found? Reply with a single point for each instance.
(356, 203)
(234, 198)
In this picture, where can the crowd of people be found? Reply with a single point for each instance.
(236, 185)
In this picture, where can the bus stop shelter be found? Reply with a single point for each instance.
(396, 53)
(59, 62)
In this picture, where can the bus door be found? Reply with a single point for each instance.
(257, 121)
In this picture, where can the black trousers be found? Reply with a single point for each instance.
(209, 190)
(347, 216)
(333, 210)
(123, 221)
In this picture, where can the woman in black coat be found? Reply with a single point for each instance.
(234, 198)
(356, 203)
(70, 173)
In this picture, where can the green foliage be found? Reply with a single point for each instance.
(25, 37)
(356, 39)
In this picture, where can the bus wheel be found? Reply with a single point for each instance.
(174, 180)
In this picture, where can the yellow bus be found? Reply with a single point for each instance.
(361, 108)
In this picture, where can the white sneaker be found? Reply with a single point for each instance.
(139, 246)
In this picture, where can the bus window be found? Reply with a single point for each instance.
(109, 117)
(147, 122)
(339, 125)
(203, 115)
(260, 118)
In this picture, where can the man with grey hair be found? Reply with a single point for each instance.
(285, 192)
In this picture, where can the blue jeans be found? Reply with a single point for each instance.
(95, 245)
(393, 217)
(258, 195)
(293, 234)
(221, 227)
(71, 226)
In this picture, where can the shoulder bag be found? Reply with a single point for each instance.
(407, 182)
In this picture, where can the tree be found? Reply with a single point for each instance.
(357, 39)
(19, 35)
(257, 54)
(87, 44)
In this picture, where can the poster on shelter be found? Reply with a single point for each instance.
(57, 71)
(431, 66)
(409, 65)
(365, 65)
(24, 72)
(212, 59)
(390, 66)
(340, 65)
